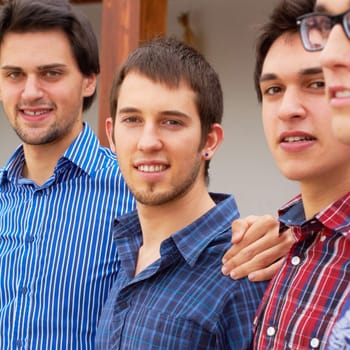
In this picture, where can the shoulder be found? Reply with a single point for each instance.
(340, 336)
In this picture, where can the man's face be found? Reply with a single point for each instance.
(156, 138)
(335, 59)
(41, 87)
(296, 115)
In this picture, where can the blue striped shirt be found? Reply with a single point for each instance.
(57, 256)
(340, 336)
(181, 301)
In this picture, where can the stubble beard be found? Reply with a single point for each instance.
(151, 197)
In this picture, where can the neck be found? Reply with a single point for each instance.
(318, 195)
(160, 222)
(40, 160)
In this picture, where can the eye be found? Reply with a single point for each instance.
(130, 119)
(318, 84)
(172, 122)
(271, 90)
(14, 74)
(51, 74)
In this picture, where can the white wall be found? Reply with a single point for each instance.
(243, 166)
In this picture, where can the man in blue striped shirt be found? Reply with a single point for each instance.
(60, 191)
(166, 108)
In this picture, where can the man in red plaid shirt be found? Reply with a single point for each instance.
(304, 298)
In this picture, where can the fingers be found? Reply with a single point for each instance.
(267, 273)
(240, 227)
(251, 228)
(256, 256)
(261, 262)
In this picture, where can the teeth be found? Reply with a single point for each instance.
(344, 93)
(297, 138)
(35, 113)
(151, 168)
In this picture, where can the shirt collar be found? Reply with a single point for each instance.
(13, 168)
(83, 152)
(335, 217)
(194, 238)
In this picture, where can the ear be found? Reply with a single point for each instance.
(214, 140)
(89, 85)
(109, 132)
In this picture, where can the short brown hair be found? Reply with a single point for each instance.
(282, 20)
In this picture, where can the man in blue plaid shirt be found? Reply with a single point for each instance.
(166, 108)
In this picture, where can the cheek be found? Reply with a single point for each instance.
(268, 124)
(124, 143)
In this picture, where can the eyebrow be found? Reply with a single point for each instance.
(127, 110)
(302, 72)
(320, 8)
(40, 68)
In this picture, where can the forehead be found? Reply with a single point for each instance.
(287, 57)
(35, 48)
(139, 90)
(332, 6)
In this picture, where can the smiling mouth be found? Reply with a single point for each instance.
(151, 168)
(292, 139)
(35, 113)
(343, 93)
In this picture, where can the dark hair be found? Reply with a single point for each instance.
(21, 16)
(282, 20)
(171, 62)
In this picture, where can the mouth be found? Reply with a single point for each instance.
(36, 113)
(154, 168)
(292, 139)
(342, 93)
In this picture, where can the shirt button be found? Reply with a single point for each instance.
(315, 343)
(23, 290)
(271, 331)
(30, 239)
(323, 238)
(18, 343)
(123, 305)
(295, 260)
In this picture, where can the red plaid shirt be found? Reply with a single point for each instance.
(301, 303)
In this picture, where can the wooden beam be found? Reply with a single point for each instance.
(125, 24)
(84, 1)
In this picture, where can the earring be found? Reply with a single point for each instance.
(206, 154)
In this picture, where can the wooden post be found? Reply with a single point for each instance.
(125, 24)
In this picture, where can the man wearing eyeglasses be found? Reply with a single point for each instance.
(327, 29)
(301, 303)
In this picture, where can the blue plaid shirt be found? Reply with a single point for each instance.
(57, 257)
(181, 301)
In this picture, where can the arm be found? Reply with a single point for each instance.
(235, 323)
(258, 249)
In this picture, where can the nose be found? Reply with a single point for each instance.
(32, 89)
(149, 139)
(336, 52)
(291, 106)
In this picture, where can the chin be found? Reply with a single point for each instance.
(295, 172)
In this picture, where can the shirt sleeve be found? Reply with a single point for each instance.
(235, 326)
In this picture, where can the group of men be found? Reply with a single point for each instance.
(122, 247)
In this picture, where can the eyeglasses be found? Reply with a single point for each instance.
(316, 27)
